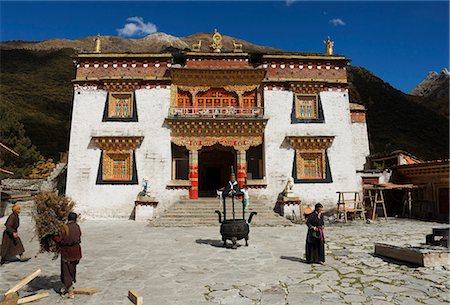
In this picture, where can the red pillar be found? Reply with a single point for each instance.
(193, 174)
(242, 167)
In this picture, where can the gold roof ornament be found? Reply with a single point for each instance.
(98, 44)
(197, 47)
(237, 47)
(216, 46)
(329, 46)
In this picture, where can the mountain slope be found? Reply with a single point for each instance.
(396, 121)
(37, 86)
(155, 43)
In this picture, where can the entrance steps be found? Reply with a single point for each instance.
(192, 213)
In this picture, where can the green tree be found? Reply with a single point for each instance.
(12, 134)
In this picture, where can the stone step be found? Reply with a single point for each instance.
(212, 215)
(188, 213)
(211, 224)
(206, 211)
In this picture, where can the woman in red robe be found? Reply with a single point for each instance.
(69, 242)
(11, 243)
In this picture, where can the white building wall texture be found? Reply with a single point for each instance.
(280, 155)
(153, 157)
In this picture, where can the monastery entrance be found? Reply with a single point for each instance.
(214, 168)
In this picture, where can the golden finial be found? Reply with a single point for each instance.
(217, 42)
(329, 46)
(98, 44)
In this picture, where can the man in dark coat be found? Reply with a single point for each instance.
(315, 241)
(232, 187)
(69, 242)
(11, 243)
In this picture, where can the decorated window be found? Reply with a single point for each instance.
(307, 109)
(311, 166)
(216, 97)
(183, 99)
(120, 107)
(117, 161)
(117, 166)
(311, 162)
(249, 99)
(306, 106)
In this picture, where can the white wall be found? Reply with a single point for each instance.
(280, 156)
(360, 144)
(153, 157)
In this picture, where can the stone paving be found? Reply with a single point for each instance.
(190, 266)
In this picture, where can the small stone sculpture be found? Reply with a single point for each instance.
(288, 191)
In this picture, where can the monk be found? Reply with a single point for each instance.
(232, 187)
(69, 242)
(11, 243)
(315, 241)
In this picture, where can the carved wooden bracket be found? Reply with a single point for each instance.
(238, 143)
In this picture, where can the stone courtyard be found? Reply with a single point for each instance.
(190, 266)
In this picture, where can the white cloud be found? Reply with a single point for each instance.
(289, 2)
(337, 21)
(137, 27)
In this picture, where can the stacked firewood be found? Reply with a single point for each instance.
(49, 216)
(42, 168)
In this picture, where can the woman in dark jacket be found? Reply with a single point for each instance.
(315, 241)
(11, 243)
(69, 242)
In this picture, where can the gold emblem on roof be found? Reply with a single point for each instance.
(329, 46)
(216, 46)
(98, 44)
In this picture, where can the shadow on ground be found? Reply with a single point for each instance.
(395, 262)
(45, 283)
(295, 259)
(215, 243)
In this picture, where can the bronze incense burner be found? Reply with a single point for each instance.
(234, 228)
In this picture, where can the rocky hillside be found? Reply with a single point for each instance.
(435, 92)
(36, 85)
(155, 43)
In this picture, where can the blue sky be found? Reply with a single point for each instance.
(398, 41)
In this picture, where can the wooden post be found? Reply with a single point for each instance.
(87, 291)
(24, 281)
(242, 167)
(193, 173)
(135, 297)
(10, 299)
(32, 298)
(409, 202)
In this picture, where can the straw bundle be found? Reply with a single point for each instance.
(49, 215)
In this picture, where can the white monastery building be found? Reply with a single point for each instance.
(181, 120)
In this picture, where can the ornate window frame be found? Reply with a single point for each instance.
(305, 148)
(107, 114)
(296, 118)
(113, 149)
